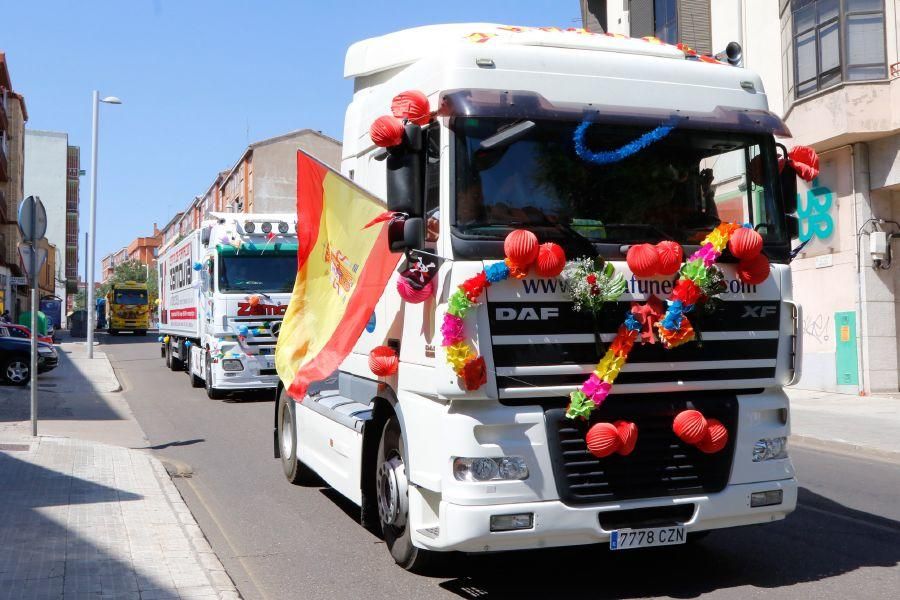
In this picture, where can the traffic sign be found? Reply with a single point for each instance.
(32, 219)
(18, 281)
(25, 254)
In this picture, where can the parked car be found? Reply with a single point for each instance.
(20, 331)
(15, 357)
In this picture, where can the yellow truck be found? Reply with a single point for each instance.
(128, 308)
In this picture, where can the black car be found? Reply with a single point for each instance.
(15, 358)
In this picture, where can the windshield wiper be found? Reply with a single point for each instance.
(507, 136)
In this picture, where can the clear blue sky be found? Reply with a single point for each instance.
(195, 77)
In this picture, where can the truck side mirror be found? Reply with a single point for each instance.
(793, 226)
(406, 234)
(405, 180)
(788, 183)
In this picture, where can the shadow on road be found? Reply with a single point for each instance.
(822, 539)
(174, 444)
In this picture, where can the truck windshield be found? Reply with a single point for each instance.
(130, 297)
(249, 273)
(678, 187)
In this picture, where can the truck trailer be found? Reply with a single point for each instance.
(598, 144)
(223, 290)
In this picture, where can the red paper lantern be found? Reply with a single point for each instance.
(745, 243)
(805, 162)
(753, 270)
(551, 260)
(628, 434)
(690, 426)
(603, 439)
(670, 257)
(412, 295)
(412, 105)
(521, 247)
(715, 439)
(383, 361)
(253, 300)
(643, 260)
(386, 131)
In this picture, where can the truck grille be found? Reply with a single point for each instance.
(660, 465)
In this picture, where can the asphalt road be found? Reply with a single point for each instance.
(283, 541)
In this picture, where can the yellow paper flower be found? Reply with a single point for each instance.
(609, 366)
(719, 239)
(458, 355)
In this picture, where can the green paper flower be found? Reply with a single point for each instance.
(458, 304)
(696, 271)
(580, 406)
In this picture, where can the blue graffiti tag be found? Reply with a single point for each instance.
(816, 213)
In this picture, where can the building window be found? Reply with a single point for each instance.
(835, 41)
(665, 20)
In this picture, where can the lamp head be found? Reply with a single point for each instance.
(111, 100)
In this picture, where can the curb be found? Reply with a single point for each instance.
(218, 576)
(844, 448)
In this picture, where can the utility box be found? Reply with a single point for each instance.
(846, 357)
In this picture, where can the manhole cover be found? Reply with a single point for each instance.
(15, 447)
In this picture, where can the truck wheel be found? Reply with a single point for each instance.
(391, 491)
(211, 392)
(162, 352)
(140, 332)
(294, 470)
(112, 331)
(17, 370)
(173, 363)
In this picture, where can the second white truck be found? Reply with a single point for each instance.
(223, 291)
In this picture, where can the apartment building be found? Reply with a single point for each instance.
(73, 196)
(831, 69)
(109, 263)
(13, 115)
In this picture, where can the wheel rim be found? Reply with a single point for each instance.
(287, 432)
(392, 491)
(17, 371)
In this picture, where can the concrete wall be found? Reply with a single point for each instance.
(46, 172)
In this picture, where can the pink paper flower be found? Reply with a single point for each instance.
(596, 389)
(453, 329)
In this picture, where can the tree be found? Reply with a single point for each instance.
(80, 299)
(132, 270)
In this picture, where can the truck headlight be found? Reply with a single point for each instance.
(232, 364)
(500, 468)
(770, 449)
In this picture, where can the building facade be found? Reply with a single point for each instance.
(48, 174)
(13, 115)
(109, 263)
(672, 21)
(73, 195)
(831, 69)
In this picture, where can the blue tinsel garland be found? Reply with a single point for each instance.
(613, 156)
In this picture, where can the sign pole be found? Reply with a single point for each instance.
(34, 334)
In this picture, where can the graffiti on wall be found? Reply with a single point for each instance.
(818, 327)
(815, 215)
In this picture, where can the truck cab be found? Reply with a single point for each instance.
(519, 114)
(128, 308)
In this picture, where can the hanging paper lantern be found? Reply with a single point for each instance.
(383, 361)
(643, 260)
(187, 344)
(745, 243)
(198, 266)
(690, 426)
(628, 434)
(412, 295)
(670, 256)
(521, 247)
(753, 270)
(159, 339)
(386, 131)
(253, 300)
(805, 162)
(602, 439)
(243, 330)
(412, 105)
(166, 339)
(715, 439)
(551, 260)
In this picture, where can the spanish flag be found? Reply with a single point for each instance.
(342, 269)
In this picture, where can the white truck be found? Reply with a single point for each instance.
(223, 291)
(439, 468)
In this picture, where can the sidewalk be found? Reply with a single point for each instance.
(864, 424)
(83, 519)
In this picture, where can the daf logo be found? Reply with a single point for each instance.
(527, 314)
(758, 312)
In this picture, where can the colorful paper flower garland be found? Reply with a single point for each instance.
(522, 250)
(699, 278)
(613, 156)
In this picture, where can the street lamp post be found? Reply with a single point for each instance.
(91, 309)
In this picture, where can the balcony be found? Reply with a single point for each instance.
(3, 209)
(4, 152)
(4, 120)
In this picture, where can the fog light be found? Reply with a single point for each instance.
(770, 449)
(769, 498)
(282, 227)
(490, 469)
(232, 364)
(266, 227)
(249, 226)
(512, 522)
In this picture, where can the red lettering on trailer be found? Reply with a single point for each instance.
(183, 314)
(245, 309)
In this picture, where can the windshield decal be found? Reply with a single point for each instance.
(607, 157)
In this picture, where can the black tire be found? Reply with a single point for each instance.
(112, 331)
(140, 332)
(396, 534)
(17, 370)
(162, 352)
(173, 363)
(286, 433)
(211, 392)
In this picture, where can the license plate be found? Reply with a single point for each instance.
(626, 539)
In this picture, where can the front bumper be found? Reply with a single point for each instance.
(467, 528)
(250, 378)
